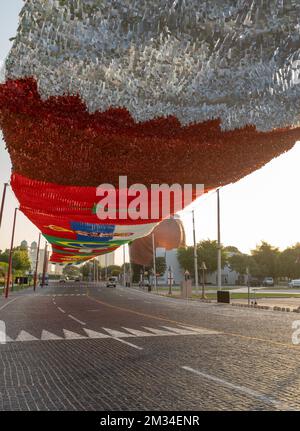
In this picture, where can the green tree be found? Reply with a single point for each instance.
(185, 257)
(3, 269)
(20, 260)
(71, 271)
(161, 265)
(289, 262)
(266, 258)
(207, 251)
(239, 262)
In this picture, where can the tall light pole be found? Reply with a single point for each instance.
(203, 267)
(124, 268)
(219, 277)
(195, 254)
(11, 254)
(3, 202)
(37, 263)
(45, 264)
(106, 267)
(154, 261)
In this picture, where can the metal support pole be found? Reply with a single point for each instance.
(248, 285)
(154, 261)
(37, 263)
(106, 267)
(124, 266)
(195, 255)
(3, 202)
(45, 264)
(219, 244)
(11, 254)
(97, 271)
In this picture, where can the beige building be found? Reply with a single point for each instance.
(107, 260)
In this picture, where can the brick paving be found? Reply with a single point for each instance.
(54, 359)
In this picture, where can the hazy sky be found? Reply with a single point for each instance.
(263, 206)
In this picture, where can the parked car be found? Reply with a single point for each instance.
(254, 282)
(268, 281)
(111, 282)
(294, 283)
(62, 280)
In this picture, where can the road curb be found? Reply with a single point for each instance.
(267, 307)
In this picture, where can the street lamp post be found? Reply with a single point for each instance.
(248, 284)
(154, 261)
(37, 263)
(45, 264)
(106, 267)
(219, 244)
(10, 254)
(3, 202)
(170, 279)
(124, 268)
(204, 268)
(195, 255)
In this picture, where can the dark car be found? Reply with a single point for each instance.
(111, 282)
(254, 282)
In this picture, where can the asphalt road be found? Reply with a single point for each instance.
(71, 347)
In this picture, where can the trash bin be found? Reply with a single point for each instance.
(223, 296)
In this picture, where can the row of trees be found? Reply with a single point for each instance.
(265, 260)
(20, 262)
(87, 270)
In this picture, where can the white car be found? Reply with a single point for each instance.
(268, 281)
(294, 283)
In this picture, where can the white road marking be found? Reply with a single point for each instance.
(3, 339)
(201, 330)
(110, 333)
(95, 334)
(7, 303)
(72, 335)
(239, 388)
(116, 334)
(76, 320)
(61, 310)
(159, 332)
(138, 333)
(180, 331)
(49, 336)
(25, 336)
(128, 344)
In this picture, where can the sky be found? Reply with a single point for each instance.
(262, 206)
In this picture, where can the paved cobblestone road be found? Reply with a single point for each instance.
(72, 347)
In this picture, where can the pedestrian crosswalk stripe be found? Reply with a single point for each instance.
(49, 336)
(25, 336)
(95, 334)
(159, 332)
(114, 334)
(138, 333)
(179, 331)
(201, 330)
(117, 334)
(72, 335)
